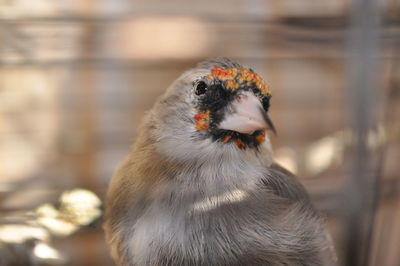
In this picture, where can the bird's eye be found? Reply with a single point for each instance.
(201, 88)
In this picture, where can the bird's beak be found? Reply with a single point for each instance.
(246, 115)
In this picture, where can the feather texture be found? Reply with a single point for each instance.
(182, 198)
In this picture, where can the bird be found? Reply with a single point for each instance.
(200, 185)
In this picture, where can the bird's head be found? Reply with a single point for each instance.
(218, 104)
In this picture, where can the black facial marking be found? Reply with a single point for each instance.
(214, 97)
(249, 140)
(265, 102)
(215, 101)
(256, 90)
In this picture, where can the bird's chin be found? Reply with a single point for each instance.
(242, 140)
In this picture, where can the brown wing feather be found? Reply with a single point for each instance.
(285, 184)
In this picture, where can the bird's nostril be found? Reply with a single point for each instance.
(241, 97)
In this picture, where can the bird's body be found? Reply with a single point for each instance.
(194, 194)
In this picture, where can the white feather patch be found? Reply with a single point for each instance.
(213, 202)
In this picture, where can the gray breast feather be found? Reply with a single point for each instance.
(272, 225)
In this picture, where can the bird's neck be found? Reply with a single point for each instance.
(210, 171)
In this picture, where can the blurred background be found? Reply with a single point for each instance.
(77, 76)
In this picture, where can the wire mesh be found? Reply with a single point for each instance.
(76, 78)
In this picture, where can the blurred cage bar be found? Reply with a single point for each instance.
(77, 76)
